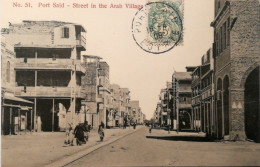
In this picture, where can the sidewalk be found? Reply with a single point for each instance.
(162, 132)
(177, 136)
(39, 149)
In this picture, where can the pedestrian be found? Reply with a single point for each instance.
(69, 136)
(102, 124)
(86, 130)
(134, 125)
(150, 129)
(125, 122)
(79, 134)
(101, 132)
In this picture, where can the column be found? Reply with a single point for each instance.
(204, 115)
(35, 100)
(26, 121)
(237, 127)
(208, 122)
(52, 125)
(200, 117)
(195, 122)
(192, 120)
(31, 119)
(19, 120)
(10, 121)
(212, 116)
(2, 123)
(216, 117)
(34, 117)
(222, 113)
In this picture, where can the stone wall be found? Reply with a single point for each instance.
(244, 58)
(7, 55)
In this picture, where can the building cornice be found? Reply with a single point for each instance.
(227, 3)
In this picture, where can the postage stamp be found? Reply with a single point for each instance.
(158, 26)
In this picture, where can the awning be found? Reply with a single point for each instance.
(9, 96)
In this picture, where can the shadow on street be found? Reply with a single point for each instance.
(181, 138)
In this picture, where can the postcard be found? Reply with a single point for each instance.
(130, 83)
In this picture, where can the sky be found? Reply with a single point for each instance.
(109, 35)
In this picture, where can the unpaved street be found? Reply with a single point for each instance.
(162, 149)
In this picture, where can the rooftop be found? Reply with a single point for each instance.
(183, 75)
(92, 56)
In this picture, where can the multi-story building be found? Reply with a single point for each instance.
(105, 109)
(139, 116)
(163, 108)
(90, 85)
(203, 95)
(126, 105)
(207, 92)
(118, 104)
(134, 110)
(157, 114)
(181, 82)
(196, 99)
(48, 71)
(236, 68)
(169, 104)
(16, 113)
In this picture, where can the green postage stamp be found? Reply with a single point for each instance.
(158, 26)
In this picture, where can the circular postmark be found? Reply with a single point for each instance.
(157, 27)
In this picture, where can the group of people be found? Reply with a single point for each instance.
(81, 134)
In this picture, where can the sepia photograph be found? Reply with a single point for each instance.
(105, 83)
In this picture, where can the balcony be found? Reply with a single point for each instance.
(100, 99)
(44, 91)
(184, 106)
(49, 63)
(184, 89)
(81, 42)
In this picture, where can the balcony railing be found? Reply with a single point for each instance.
(100, 99)
(183, 106)
(44, 91)
(48, 63)
(81, 41)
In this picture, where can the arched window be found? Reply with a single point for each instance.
(8, 72)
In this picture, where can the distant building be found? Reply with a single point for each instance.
(134, 111)
(202, 86)
(236, 55)
(90, 85)
(118, 104)
(164, 118)
(125, 109)
(181, 82)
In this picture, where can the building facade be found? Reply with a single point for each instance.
(90, 85)
(182, 115)
(48, 71)
(203, 115)
(16, 113)
(126, 105)
(236, 67)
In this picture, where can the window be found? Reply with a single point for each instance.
(208, 55)
(184, 99)
(8, 72)
(228, 32)
(224, 35)
(65, 32)
(220, 40)
(217, 51)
